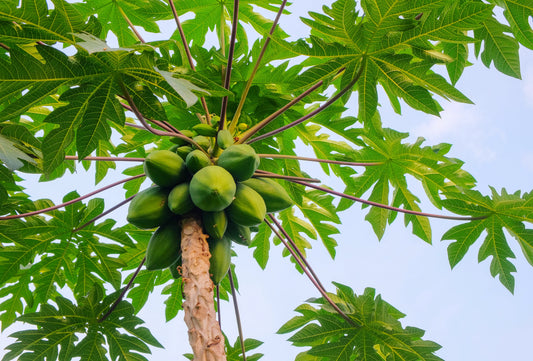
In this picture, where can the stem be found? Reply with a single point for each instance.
(73, 200)
(231, 51)
(256, 68)
(295, 247)
(112, 159)
(161, 124)
(315, 283)
(265, 174)
(130, 24)
(205, 336)
(123, 293)
(237, 314)
(149, 128)
(316, 111)
(218, 307)
(103, 214)
(341, 162)
(2, 45)
(188, 53)
(270, 118)
(391, 208)
(139, 116)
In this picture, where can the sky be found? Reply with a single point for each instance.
(465, 310)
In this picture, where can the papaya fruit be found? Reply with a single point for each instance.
(248, 208)
(202, 141)
(183, 151)
(164, 246)
(196, 160)
(205, 130)
(240, 160)
(220, 260)
(224, 138)
(165, 168)
(242, 126)
(215, 223)
(173, 268)
(275, 196)
(239, 234)
(149, 208)
(179, 199)
(212, 188)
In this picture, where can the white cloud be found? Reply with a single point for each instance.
(465, 127)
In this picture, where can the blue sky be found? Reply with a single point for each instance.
(465, 310)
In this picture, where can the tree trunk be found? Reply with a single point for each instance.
(205, 337)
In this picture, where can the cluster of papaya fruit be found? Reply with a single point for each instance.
(213, 183)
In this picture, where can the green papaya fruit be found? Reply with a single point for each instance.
(202, 141)
(224, 138)
(179, 199)
(181, 141)
(164, 246)
(149, 208)
(205, 130)
(275, 196)
(215, 223)
(212, 188)
(165, 168)
(242, 126)
(220, 260)
(240, 160)
(173, 268)
(196, 160)
(248, 208)
(239, 234)
(183, 151)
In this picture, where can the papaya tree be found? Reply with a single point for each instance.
(202, 131)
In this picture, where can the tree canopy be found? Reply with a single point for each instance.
(81, 87)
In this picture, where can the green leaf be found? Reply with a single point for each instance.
(32, 21)
(12, 156)
(499, 48)
(374, 332)
(517, 13)
(499, 212)
(71, 330)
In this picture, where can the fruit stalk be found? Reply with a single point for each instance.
(205, 336)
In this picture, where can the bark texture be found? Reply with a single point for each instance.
(205, 337)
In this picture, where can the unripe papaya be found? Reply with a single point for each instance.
(248, 208)
(205, 130)
(183, 151)
(164, 246)
(224, 138)
(202, 141)
(220, 260)
(212, 188)
(242, 126)
(179, 199)
(149, 208)
(240, 160)
(275, 196)
(196, 160)
(165, 168)
(174, 268)
(215, 223)
(239, 234)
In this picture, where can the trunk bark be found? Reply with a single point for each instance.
(205, 337)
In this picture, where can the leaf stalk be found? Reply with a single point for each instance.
(33, 213)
